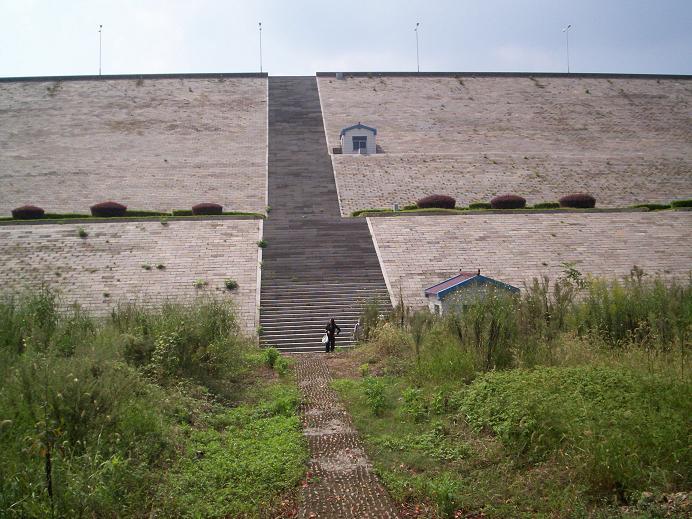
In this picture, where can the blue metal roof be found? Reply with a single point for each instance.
(475, 279)
(358, 126)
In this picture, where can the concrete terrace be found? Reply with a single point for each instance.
(624, 139)
(418, 251)
(150, 142)
(106, 267)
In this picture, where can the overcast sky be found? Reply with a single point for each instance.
(59, 37)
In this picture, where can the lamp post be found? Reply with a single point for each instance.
(260, 36)
(566, 31)
(417, 53)
(100, 27)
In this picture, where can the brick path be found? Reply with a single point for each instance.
(341, 483)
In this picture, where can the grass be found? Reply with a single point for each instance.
(80, 436)
(572, 400)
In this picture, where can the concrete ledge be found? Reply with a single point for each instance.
(188, 75)
(602, 75)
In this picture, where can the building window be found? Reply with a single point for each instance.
(359, 143)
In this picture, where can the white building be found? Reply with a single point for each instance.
(358, 139)
(466, 288)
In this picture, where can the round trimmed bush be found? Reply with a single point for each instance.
(508, 202)
(578, 201)
(479, 205)
(108, 209)
(436, 201)
(206, 208)
(28, 212)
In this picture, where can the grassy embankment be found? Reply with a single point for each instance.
(169, 413)
(573, 400)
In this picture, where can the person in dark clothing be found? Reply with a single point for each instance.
(332, 328)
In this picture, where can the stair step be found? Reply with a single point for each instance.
(317, 265)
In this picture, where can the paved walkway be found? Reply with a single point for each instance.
(340, 483)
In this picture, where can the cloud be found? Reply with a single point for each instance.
(515, 57)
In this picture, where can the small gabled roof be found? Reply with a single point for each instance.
(358, 126)
(461, 279)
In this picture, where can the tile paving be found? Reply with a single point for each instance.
(160, 144)
(106, 267)
(418, 251)
(626, 141)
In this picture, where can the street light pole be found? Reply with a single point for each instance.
(417, 54)
(566, 31)
(260, 35)
(100, 27)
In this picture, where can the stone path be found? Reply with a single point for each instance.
(340, 482)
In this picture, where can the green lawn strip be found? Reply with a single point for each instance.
(85, 218)
(525, 443)
(465, 210)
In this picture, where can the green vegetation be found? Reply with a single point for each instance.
(262, 244)
(144, 413)
(230, 284)
(129, 214)
(653, 207)
(547, 205)
(570, 400)
(681, 203)
(81, 232)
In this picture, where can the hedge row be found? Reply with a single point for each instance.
(509, 201)
(112, 209)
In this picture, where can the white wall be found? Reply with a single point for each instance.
(347, 140)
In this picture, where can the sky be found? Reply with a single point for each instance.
(301, 37)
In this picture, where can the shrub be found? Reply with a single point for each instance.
(681, 203)
(409, 207)
(479, 205)
(262, 244)
(619, 429)
(82, 233)
(508, 202)
(181, 212)
(145, 213)
(108, 209)
(578, 201)
(270, 356)
(230, 284)
(374, 390)
(27, 212)
(436, 201)
(281, 366)
(415, 404)
(547, 205)
(206, 208)
(653, 207)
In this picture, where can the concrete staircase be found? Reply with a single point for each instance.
(316, 264)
